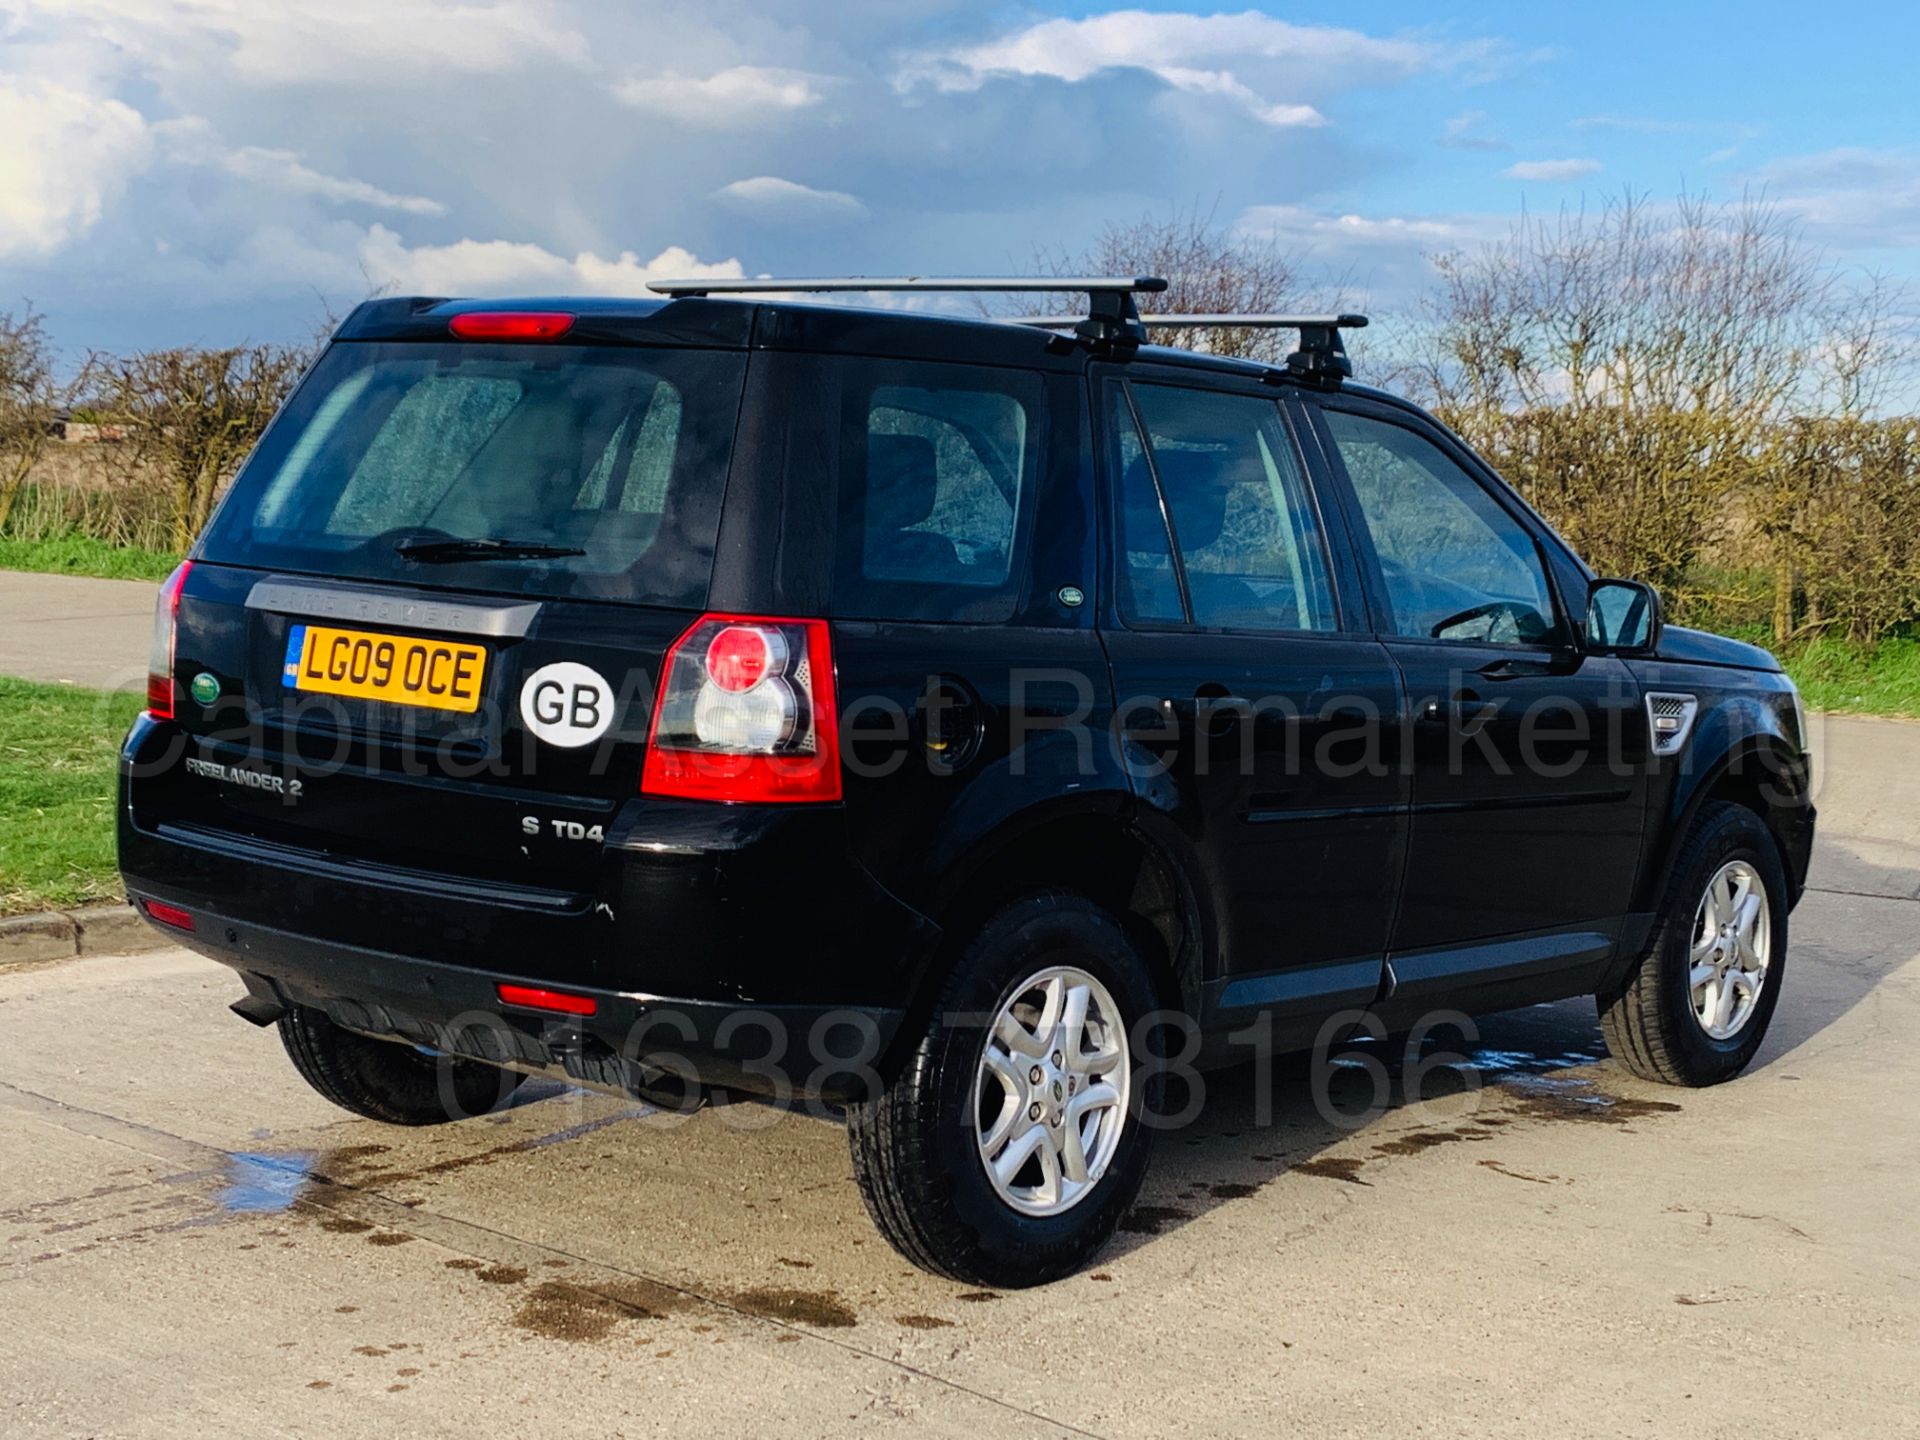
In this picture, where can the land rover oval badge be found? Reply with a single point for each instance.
(204, 689)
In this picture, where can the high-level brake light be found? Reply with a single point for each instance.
(511, 324)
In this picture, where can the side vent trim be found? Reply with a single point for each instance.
(1670, 717)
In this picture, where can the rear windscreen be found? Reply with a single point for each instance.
(595, 472)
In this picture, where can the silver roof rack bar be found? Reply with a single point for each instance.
(1321, 358)
(1012, 284)
(1111, 323)
(1213, 322)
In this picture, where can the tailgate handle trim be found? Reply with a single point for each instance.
(408, 609)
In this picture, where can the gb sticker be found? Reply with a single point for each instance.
(566, 704)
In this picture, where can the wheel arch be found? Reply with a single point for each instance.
(1096, 846)
(1755, 767)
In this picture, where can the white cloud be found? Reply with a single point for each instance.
(191, 140)
(770, 197)
(743, 96)
(1463, 132)
(1199, 54)
(1853, 195)
(1550, 170)
(283, 168)
(65, 157)
(360, 42)
(504, 267)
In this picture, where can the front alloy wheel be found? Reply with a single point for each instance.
(1732, 943)
(1694, 1006)
(1050, 1095)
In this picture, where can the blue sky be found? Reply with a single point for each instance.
(207, 171)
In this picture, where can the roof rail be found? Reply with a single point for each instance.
(1111, 316)
(1321, 356)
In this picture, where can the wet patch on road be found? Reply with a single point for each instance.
(1151, 1219)
(923, 1322)
(561, 1310)
(259, 1183)
(1332, 1167)
(821, 1309)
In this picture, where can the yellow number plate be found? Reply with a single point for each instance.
(400, 669)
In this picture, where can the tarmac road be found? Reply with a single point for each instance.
(192, 1242)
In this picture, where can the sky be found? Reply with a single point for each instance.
(219, 171)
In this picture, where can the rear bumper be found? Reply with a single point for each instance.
(632, 1042)
(747, 941)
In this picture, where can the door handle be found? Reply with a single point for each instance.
(1216, 710)
(1462, 709)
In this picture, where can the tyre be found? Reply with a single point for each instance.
(1696, 1004)
(388, 1080)
(1011, 1142)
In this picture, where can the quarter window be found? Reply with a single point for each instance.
(1457, 565)
(937, 465)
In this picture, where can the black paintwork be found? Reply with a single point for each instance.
(1422, 868)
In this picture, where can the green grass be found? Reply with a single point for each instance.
(84, 555)
(1834, 675)
(58, 758)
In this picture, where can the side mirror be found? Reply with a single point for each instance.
(1623, 615)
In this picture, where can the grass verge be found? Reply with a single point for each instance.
(84, 555)
(58, 757)
(1849, 679)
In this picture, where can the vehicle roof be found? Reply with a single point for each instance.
(785, 325)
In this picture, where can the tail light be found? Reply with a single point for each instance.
(166, 617)
(746, 712)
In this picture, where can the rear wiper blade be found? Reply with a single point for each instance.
(431, 552)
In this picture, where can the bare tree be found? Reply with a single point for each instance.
(29, 399)
(196, 413)
(1210, 270)
(1624, 367)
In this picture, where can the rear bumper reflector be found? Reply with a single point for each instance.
(528, 997)
(165, 914)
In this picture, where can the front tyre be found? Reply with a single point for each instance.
(387, 1080)
(1696, 1005)
(1011, 1142)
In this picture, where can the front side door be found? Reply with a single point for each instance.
(1528, 755)
(1257, 713)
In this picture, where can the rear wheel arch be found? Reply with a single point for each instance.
(1097, 853)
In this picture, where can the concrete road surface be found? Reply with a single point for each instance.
(193, 1243)
(76, 630)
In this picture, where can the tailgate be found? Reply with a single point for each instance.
(519, 738)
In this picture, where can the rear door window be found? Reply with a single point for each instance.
(1230, 483)
(612, 459)
(937, 474)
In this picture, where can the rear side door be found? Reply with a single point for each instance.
(1529, 756)
(1256, 711)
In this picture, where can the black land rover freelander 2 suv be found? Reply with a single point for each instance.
(954, 722)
